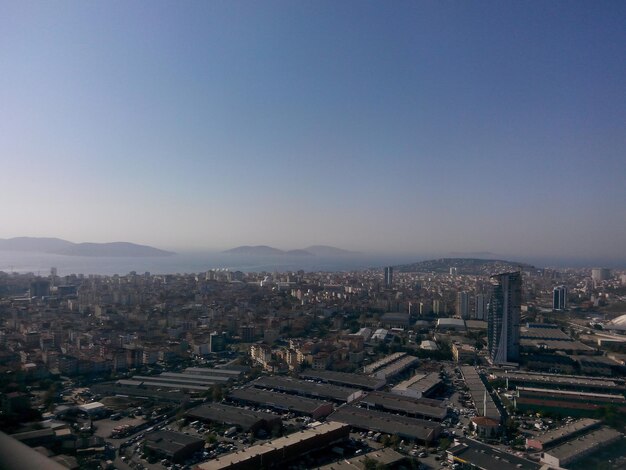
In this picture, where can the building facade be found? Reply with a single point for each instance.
(559, 298)
(504, 317)
(462, 305)
(481, 307)
(388, 276)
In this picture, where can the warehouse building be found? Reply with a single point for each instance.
(571, 451)
(173, 445)
(395, 368)
(385, 458)
(279, 452)
(94, 409)
(563, 382)
(385, 361)
(344, 378)
(378, 421)
(566, 402)
(136, 389)
(419, 386)
(561, 434)
(416, 408)
(308, 389)
(182, 381)
(480, 396)
(316, 409)
(214, 372)
(472, 454)
(246, 420)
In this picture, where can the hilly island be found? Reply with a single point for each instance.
(57, 246)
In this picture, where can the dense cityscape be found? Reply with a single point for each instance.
(457, 363)
(330, 234)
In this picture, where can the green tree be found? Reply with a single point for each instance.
(217, 393)
(49, 397)
(444, 443)
(372, 464)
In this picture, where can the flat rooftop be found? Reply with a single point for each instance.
(544, 333)
(485, 456)
(479, 394)
(233, 415)
(282, 401)
(170, 441)
(384, 456)
(556, 379)
(131, 388)
(383, 362)
(213, 371)
(344, 378)
(422, 383)
(176, 385)
(200, 378)
(235, 458)
(574, 395)
(302, 387)
(412, 406)
(582, 445)
(387, 423)
(567, 430)
(397, 367)
(555, 345)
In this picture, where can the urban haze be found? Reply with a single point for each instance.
(312, 235)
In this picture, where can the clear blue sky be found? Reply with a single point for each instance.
(386, 126)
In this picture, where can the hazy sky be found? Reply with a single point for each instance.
(389, 126)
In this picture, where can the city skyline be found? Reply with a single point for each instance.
(425, 128)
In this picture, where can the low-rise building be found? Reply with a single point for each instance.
(473, 454)
(308, 389)
(463, 353)
(423, 408)
(556, 436)
(406, 427)
(279, 452)
(343, 378)
(246, 420)
(316, 409)
(418, 386)
(573, 450)
(173, 445)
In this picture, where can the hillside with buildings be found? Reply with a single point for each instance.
(474, 266)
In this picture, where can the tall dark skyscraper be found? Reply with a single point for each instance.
(388, 276)
(504, 317)
(40, 288)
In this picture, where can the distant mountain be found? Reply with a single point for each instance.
(298, 253)
(258, 250)
(263, 250)
(324, 250)
(464, 266)
(56, 246)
